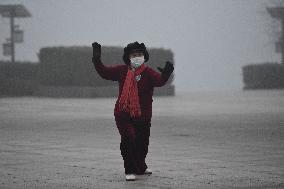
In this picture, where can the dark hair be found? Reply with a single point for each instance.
(131, 47)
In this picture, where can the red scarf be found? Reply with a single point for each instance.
(129, 99)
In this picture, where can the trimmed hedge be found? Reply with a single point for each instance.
(263, 76)
(91, 92)
(17, 79)
(72, 66)
(68, 68)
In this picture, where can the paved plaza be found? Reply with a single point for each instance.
(199, 140)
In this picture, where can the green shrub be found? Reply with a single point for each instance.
(263, 76)
(72, 66)
(66, 67)
(18, 78)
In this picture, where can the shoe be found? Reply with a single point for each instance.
(130, 177)
(148, 172)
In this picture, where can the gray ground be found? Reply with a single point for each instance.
(201, 140)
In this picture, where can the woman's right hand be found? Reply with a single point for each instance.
(96, 52)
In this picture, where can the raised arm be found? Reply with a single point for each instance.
(160, 80)
(106, 72)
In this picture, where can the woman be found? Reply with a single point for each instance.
(133, 108)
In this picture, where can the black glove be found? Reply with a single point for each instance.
(168, 69)
(96, 52)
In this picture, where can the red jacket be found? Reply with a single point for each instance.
(149, 80)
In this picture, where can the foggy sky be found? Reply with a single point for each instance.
(211, 39)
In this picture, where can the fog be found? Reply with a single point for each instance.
(211, 40)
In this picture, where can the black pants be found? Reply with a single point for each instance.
(134, 143)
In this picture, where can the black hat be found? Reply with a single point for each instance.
(134, 47)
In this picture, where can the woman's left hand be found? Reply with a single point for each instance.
(168, 69)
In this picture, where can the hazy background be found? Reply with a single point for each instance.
(211, 39)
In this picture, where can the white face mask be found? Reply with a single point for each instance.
(137, 61)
